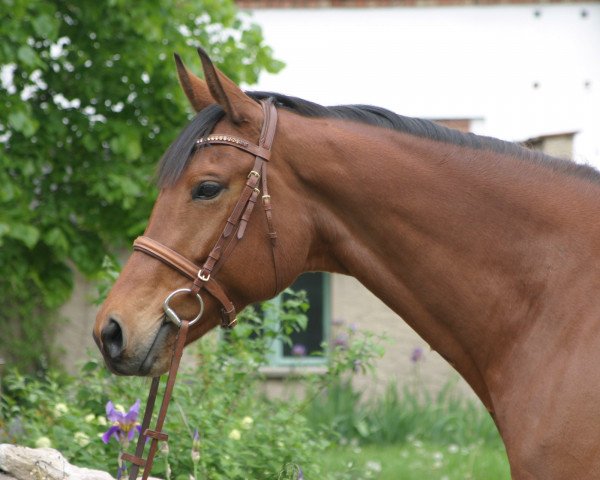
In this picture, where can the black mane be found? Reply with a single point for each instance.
(176, 157)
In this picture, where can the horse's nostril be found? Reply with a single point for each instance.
(112, 338)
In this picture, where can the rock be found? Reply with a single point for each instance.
(23, 463)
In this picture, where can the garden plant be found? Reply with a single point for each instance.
(222, 425)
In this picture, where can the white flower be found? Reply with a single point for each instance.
(90, 417)
(235, 434)
(247, 422)
(438, 457)
(101, 421)
(373, 466)
(453, 448)
(60, 409)
(82, 439)
(43, 442)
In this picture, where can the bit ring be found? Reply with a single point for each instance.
(172, 315)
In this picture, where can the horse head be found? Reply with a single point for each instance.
(210, 180)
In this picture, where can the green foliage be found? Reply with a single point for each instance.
(394, 417)
(242, 434)
(406, 433)
(89, 102)
(333, 434)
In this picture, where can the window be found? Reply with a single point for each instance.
(316, 285)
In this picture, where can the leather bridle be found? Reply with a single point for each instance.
(235, 228)
(203, 277)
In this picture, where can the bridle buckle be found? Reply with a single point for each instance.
(203, 277)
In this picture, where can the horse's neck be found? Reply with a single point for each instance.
(457, 241)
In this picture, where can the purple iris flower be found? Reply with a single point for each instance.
(417, 355)
(124, 425)
(298, 350)
(341, 341)
(195, 448)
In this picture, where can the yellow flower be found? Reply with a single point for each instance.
(82, 439)
(235, 434)
(43, 442)
(60, 409)
(247, 422)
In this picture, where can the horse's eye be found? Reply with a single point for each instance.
(206, 190)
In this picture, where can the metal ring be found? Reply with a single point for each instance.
(172, 315)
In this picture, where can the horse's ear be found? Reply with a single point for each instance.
(195, 88)
(237, 105)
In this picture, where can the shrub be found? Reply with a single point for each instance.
(241, 435)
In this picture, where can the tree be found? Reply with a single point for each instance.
(89, 101)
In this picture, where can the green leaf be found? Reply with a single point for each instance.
(7, 191)
(56, 238)
(27, 55)
(26, 233)
(128, 144)
(58, 286)
(22, 122)
(45, 26)
(4, 229)
(90, 143)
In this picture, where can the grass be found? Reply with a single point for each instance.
(399, 417)
(407, 434)
(416, 460)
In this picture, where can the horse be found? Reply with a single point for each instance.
(488, 250)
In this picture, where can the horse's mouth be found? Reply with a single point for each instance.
(156, 349)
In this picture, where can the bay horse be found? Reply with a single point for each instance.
(488, 250)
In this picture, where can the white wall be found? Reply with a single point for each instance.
(452, 62)
(449, 62)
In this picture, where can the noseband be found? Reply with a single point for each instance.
(203, 277)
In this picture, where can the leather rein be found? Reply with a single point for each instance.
(203, 277)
